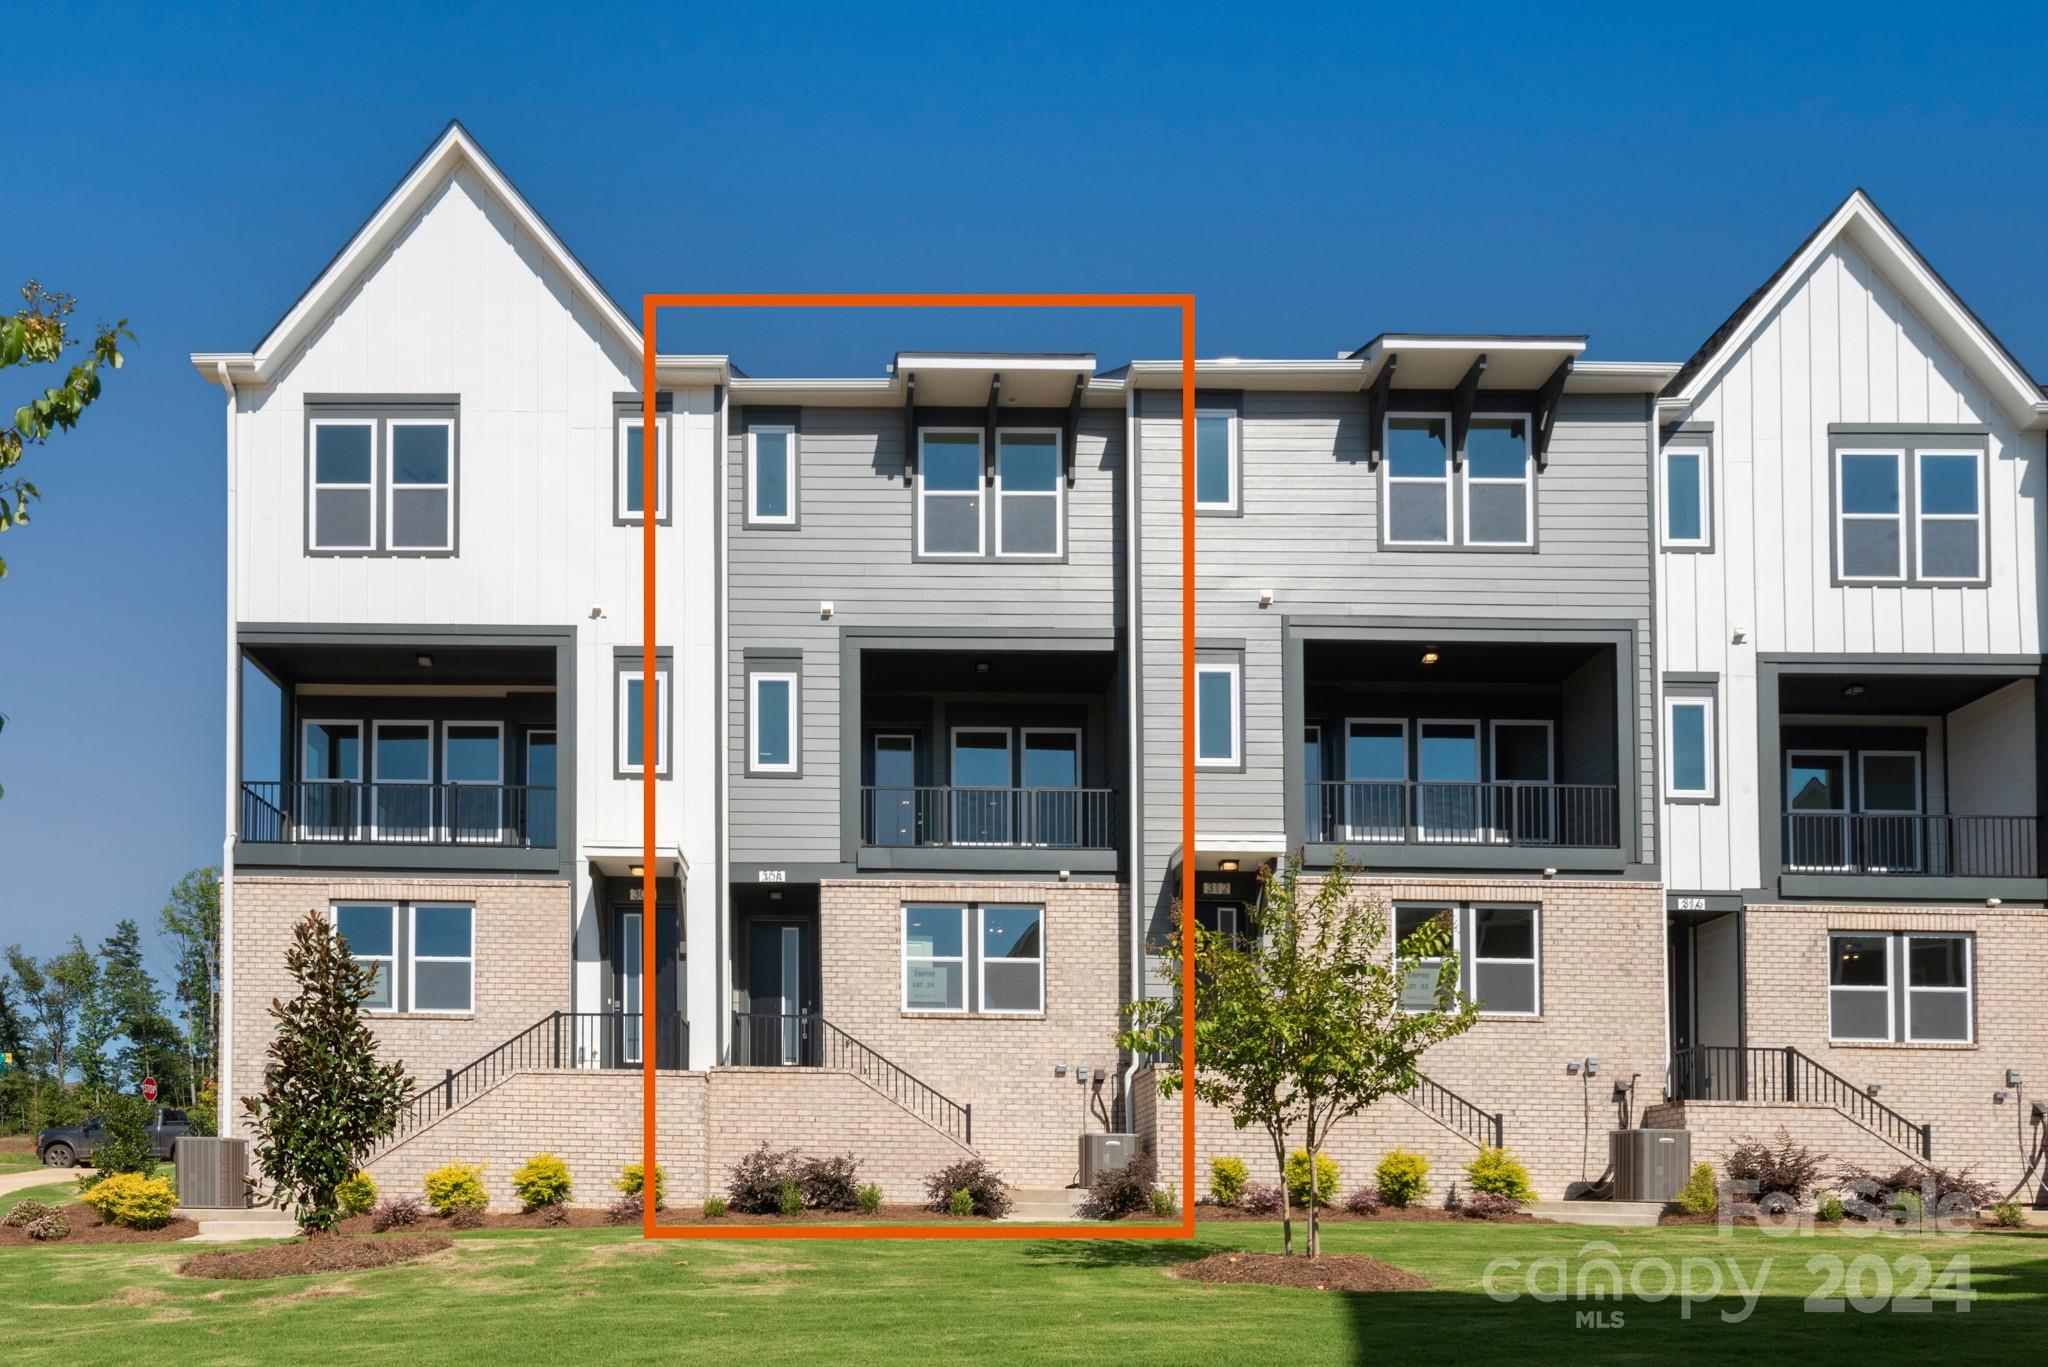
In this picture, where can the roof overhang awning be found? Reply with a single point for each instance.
(1458, 374)
(993, 384)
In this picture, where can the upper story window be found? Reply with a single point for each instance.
(774, 694)
(1688, 505)
(949, 498)
(1216, 460)
(1028, 511)
(1689, 744)
(1219, 726)
(1026, 517)
(380, 478)
(629, 467)
(1487, 501)
(1500, 488)
(1909, 509)
(630, 729)
(772, 475)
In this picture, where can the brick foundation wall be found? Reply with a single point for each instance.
(822, 1113)
(522, 965)
(1027, 1122)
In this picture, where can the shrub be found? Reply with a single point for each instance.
(1121, 1191)
(1164, 1203)
(126, 1146)
(1957, 1192)
(1258, 1198)
(1907, 1208)
(714, 1207)
(357, 1195)
(25, 1212)
(2008, 1215)
(791, 1199)
(467, 1214)
(1226, 1180)
(457, 1184)
(50, 1227)
(1699, 1195)
(631, 1181)
(1488, 1205)
(1452, 1200)
(960, 1203)
(1297, 1178)
(829, 1183)
(1364, 1201)
(870, 1197)
(1830, 1210)
(396, 1212)
(1499, 1173)
(1402, 1177)
(755, 1182)
(542, 1181)
(554, 1216)
(129, 1198)
(627, 1210)
(1785, 1169)
(991, 1197)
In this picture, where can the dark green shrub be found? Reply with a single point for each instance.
(714, 1207)
(1122, 1191)
(983, 1184)
(126, 1147)
(791, 1199)
(870, 1198)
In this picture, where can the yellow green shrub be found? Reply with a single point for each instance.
(129, 1198)
(1500, 1172)
(1227, 1177)
(458, 1184)
(630, 1182)
(542, 1181)
(1297, 1179)
(356, 1195)
(1402, 1177)
(1699, 1196)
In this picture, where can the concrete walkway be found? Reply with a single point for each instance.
(35, 1177)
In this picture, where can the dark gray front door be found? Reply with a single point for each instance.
(779, 1026)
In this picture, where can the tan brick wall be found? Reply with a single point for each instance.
(1026, 1121)
(821, 1113)
(1601, 996)
(1948, 1086)
(522, 965)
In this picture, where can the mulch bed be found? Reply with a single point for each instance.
(1388, 1214)
(1332, 1272)
(593, 1217)
(303, 1257)
(87, 1229)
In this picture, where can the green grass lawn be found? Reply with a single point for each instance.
(18, 1160)
(50, 1194)
(559, 1296)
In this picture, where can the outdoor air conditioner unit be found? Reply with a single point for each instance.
(1649, 1165)
(211, 1172)
(1101, 1153)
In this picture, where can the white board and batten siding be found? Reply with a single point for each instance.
(1843, 346)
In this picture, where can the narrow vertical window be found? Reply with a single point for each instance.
(1859, 987)
(631, 470)
(1689, 746)
(935, 958)
(342, 515)
(949, 510)
(772, 713)
(421, 484)
(1499, 483)
(1216, 460)
(473, 767)
(1938, 989)
(632, 718)
(1870, 516)
(443, 960)
(1216, 714)
(1687, 514)
(1950, 497)
(771, 476)
(1503, 975)
(1028, 513)
(1417, 507)
(370, 930)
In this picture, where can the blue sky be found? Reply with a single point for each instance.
(1313, 179)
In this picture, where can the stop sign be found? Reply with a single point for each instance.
(149, 1089)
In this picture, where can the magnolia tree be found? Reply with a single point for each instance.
(326, 1101)
(1303, 1023)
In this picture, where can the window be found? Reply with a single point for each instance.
(1216, 460)
(1949, 545)
(1418, 481)
(443, 960)
(1883, 481)
(1688, 513)
(380, 477)
(630, 469)
(342, 515)
(771, 476)
(331, 771)
(473, 767)
(1938, 988)
(371, 933)
(402, 780)
(1028, 499)
(1689, 746)
(949, 520)
(1859, 987)
(631, 721)
(1217, 739)
(1499, 483)
(997, 970)
(1899, 986)
(1498, 957)
(421, 489)
(1871, 514)
(772, 705)
(1012, 959)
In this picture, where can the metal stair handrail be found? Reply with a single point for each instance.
(1726, 1072)
(1474, 1123)
(807, 1039)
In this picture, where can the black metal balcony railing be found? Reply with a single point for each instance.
(766, 1039)
(1560, 815)
(315, 811)
(1050, 818)
(1908, 845)
(1783, 1074)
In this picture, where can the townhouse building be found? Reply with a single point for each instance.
(1605, 660)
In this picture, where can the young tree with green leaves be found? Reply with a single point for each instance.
(54, 992)
(190, 922)
(326, 1100)
(149, 1043)
(39, 333)
(1303, 1024)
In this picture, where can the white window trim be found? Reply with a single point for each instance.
(1968, 991)
(497, 833)
(1235, 671)
(904, 958)
(1921, 518)
(1706, 500)
(1057, 494)
(954, 788)
(1230, 447)
(1493, 728)
(621, 512)
(628, 677)
(1843, 810)
(1842, 519)
(1388, 480)
(1890, 980)
(1711, 769)
(392, 486)
(755, 764)
(979, 492)
(1469, 959)
(1527, 480)
(314, 484)
(414, 959)
(378, 781)
(355, 805)
(1348, 828)
(1482, 819)
(1024, 735)
(334, 911)
(755, 517)
(1458, 921)
(982, 960)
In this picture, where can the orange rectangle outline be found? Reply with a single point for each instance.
(650, 722)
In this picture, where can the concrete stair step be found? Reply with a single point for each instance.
(1045, 1205)
(1618, 1214)
(218, 1226)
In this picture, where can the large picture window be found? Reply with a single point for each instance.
(1909, 508)
(423, 954)
(1499, 956)
(962, 958)
(1486, 500)
(381, 477)
(1885, 987)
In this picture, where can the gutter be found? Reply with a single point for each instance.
(224, 1041)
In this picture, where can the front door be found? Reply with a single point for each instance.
(1524, 797)
(982, 796)
(1817, 798)
(778, 1027)
(619, 1038)
(895, 802)
(1447, 794)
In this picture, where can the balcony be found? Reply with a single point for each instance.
(1548, 815)
(989, 818)
(332, 812)
(1894, 845)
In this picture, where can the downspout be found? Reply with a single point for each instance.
(224, 1035)
(1133, 732)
